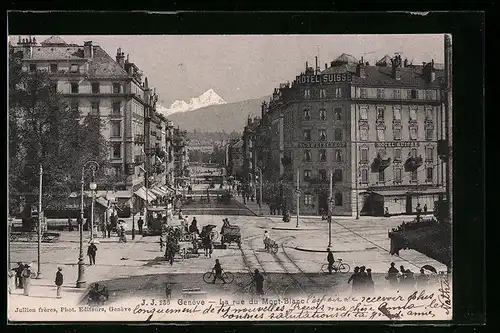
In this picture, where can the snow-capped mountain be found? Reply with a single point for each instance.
(208, 98)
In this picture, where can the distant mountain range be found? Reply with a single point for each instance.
(219, 118)
(208, 98)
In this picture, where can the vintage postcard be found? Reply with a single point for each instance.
(229, 178)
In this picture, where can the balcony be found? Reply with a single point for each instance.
(413, 163)
(115, 115)
(379, 164)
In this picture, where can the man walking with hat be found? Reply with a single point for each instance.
(59, 281)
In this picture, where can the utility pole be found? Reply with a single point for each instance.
(356, 175)
(80, 282)
(330, 206)
(298, 196)
(40, 217)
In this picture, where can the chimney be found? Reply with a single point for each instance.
(120, 58)
(307, 65)
(316, 69)
(395, 68)
(88, 50)
(432, 72)
(326, 65)
(405, 63)
(360, 69)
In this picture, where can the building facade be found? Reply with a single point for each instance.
(373, 129)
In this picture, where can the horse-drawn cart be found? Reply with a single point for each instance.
(231, 234)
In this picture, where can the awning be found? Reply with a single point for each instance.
(122, 194)
(158, 192)
(171, 189)
(101, 201)
(141, 193)
(401, 193)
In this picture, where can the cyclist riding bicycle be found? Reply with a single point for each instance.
(330, 260)
(218, 272)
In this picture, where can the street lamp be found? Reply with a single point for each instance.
(330, 203)
(93, 187)
(260, 190)
(80, 282)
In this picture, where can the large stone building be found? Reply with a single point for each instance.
(115, 90)
(374, 128)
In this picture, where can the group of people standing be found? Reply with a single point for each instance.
(362, 280)
(406, 277)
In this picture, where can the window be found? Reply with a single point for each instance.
(413, 133)
(397, 114)
(381, 176)
(322, 155)
(364, 155)
(307, 135)
(363, 114)
(397, 133)
(322, 93)
(397, 94)
(116, 108)
(95, 87)
(428, 113)
(307, 174)
(32, 68)
(413, 114)
(53, 68)
(364, 175)
(429, 153)
(322, 174)
(117, 150)
(73, 68)
(74, 106)
(322, 135)
(380, 93)
(397, 154)
(337, 175)
(338, 155)
(413, 153)
(338, 92)
(338, 199)
(116, 129)
(307, 156)
(338, 135)
(429, 174)
(74, 87)
(95, 107)
(307, 94)
(414, 94)
(116, 88)
(429, 133)
(308, 199)
(380, 113)
(306, 114)
(363, 133)
(382, 152)
(380, 135)
(428, 94)
(414, 176)
(398, 175)
(322, 114)
(363, 93)
(338, 114)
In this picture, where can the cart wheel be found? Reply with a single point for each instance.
(274, 248)
(208, 277)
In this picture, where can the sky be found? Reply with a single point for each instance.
(241, 67)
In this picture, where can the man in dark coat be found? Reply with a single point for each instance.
(91, 252)
(140, 223)
(259, 282)
(330, 260)
(59, 281)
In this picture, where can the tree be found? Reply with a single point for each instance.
(43, 130)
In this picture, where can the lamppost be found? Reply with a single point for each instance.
(297, 192)
(80, 282)
(93, 187)
(259, 170)
(40, 217)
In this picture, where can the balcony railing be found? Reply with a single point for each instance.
(379, 164)
(413, 163)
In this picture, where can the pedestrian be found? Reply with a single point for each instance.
(266, 240)
(193, 228)
(91, 252)
(168, 291)
(409, 279)
(59, 281)
(161, 243)
(422, 279)
(27, 275)
(392, 275)
(330, 260)
(370, 285)
(259, 282)
(109, 227)
(363, 277)
(218, 272)
(355, 280)
(425, 209)
(402, 274)
(19, 275)
(140, 223)
(70, 224)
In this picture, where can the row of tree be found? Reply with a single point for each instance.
(45, 130)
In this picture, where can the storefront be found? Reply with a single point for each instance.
(397, 202)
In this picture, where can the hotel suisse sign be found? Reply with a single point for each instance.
(332, 144)
(391, 144)
(324, 78)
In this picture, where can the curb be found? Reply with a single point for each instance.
(295, 229)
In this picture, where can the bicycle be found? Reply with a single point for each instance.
(338, 266)
(208, 277)
(270, 245)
